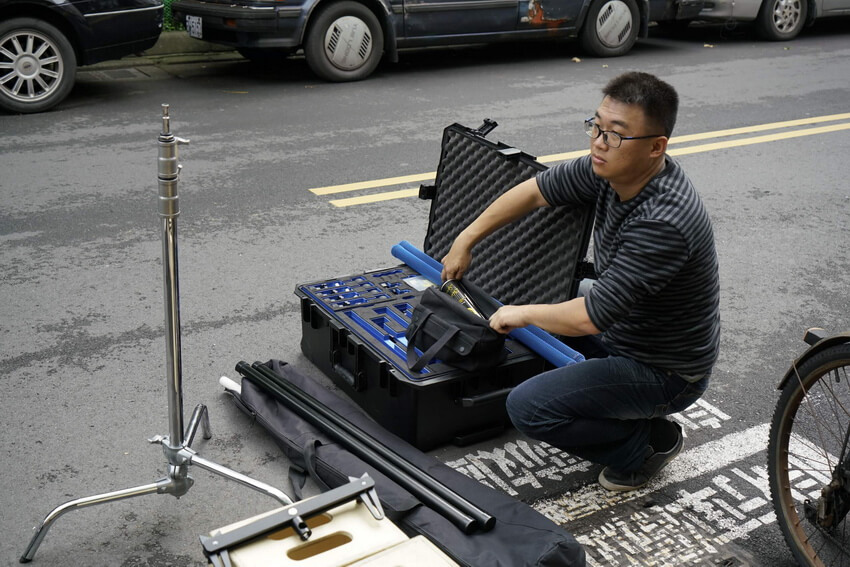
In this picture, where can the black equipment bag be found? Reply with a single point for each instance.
(443, 328)
(520, 537)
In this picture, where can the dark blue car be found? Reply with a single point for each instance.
(343, 40)
(43, 41)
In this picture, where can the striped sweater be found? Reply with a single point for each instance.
(657, 295)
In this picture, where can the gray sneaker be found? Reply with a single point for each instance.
(613, 479)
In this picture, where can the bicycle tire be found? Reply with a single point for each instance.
(808, 435)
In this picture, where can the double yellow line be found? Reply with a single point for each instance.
(698, 148)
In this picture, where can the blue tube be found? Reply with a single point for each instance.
(434, 264)
(533, 337)
(418, 260)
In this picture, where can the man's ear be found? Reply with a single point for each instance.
(659, 146)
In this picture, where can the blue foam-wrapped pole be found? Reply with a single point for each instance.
(419, 261)
(533, 337)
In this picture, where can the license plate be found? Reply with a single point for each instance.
(194, 27)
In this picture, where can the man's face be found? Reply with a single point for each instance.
(630, 161)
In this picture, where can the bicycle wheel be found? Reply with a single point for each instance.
(806, 454)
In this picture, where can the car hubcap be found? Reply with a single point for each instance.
(348, 43)
(614, 23)
(30, 66)
(786, 15)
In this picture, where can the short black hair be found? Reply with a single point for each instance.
(658, 100)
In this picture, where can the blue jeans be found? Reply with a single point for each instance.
(600, 409)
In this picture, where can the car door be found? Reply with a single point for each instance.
(429, 18)
(835, 6)
(550, 14)
(115, 22)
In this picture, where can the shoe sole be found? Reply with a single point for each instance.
(604, 483)
(608, 485)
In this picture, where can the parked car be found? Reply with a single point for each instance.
(776, 20)
(343, 40)
(43, 41)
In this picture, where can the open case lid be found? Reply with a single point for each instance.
(537, 259)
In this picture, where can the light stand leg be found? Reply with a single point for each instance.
(266, 489)
(179, 455)
(199, 417)
(41, 530)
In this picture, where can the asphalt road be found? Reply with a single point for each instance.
(81, 329)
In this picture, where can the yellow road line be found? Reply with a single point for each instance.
(761, 127)
(400, 194)
(374, 183)
(420, 177)
(374, 198)
(758, 139)
(718, 134)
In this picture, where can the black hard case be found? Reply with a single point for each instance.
(353, 326)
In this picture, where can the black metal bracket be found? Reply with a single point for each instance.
(217, 547)
(486, 127)
(427, 192)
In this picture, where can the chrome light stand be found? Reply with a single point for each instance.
(177, 444)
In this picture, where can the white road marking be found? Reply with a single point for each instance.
(520, 465)
(691, 463)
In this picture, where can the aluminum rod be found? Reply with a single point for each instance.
(444, 500)
(173, 358)
(168, 171)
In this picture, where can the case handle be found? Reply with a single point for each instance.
(353, 379)
(346, 374)
(488, 398)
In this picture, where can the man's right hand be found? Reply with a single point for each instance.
(456, 262)
(510, 206)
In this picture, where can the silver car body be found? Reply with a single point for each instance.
(744, 10)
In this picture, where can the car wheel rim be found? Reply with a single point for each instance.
(31, 68)
(614, 23)
(786, 15)
(348, 43)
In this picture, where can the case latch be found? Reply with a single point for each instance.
(427, 192)
(485, 128)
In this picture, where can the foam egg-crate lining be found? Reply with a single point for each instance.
(533, 260)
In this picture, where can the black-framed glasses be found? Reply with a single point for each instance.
(613, 139)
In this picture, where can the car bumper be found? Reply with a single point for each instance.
(689, 9)
(673, 10)
(723, 10)
(244, 26)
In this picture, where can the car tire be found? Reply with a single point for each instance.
(37, 65)
(611, 28)
(781, 20)
(344, 24)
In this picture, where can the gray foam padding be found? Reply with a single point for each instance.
(533, 260)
